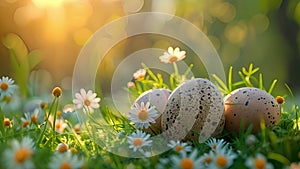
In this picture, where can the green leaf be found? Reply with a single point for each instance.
(278, 157)
(34, 58)
(15, 43)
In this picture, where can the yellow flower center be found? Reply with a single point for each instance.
(87, 102)
(57, 125)
(137, 142)
(4, 86)
(173, 59)
(43, 105)
(221, 161)
(59, 113)
(62, 148)
(279, 100)
(65, 165)
(25, 123)
(208, 160)
(140, 77)
(259, 163)
(143, 115)
(186, 163)
(21, 155)
(73, 150)
(33, 119)
(214, 146)
(7, 99)
(178, 148)
(7, 122)
(77, 129)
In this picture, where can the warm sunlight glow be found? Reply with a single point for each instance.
(48, 3)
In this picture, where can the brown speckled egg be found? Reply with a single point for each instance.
(157, 98)
(195, 111)
(250, 105)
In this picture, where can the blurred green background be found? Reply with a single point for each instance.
(262, 32)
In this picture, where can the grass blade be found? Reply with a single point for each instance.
(272, 86)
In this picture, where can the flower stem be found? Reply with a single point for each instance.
(47, 119)
(54, 121)
(177, 76)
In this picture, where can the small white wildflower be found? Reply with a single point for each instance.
(142, 115)
(179, 146)
(62, 148)
(223, 159)
(139, 74)
(184, 161)
(258, 162)
(173, 55)
(65, 160)
(86, 100)
(217, 145)
(138, 140)
(7, 87)
(60, 124)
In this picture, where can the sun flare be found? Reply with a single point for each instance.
(48, 3)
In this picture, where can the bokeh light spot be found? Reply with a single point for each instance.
(47, 3)
(225, 11)
(24, 15)
(132, 6)
(260, 22)
(81, 36)
(237, 33)
(78, 13)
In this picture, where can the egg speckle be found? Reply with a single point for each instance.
(195, 110)
(250, 105)
(157, 98)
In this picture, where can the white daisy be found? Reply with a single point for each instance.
(207, 159)
(25, 120)
(19, 156)
(60, 124)
(77, 128)
(34, 117)
(258, 162)
(163, 163)
(217, 145)
(179, 146)
(173, 55)
(222, 159)
(138, 140)
(65, 160)
(62, 148)
(131, 85)
(184, 161)
(142, 115)
(251, 140)
(7, 87)
(139, 74)
(86, 100)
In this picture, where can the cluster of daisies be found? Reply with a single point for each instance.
(21, 152)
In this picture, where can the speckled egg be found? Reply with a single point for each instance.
(250, 105)
(195, 111)
(157, 98)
